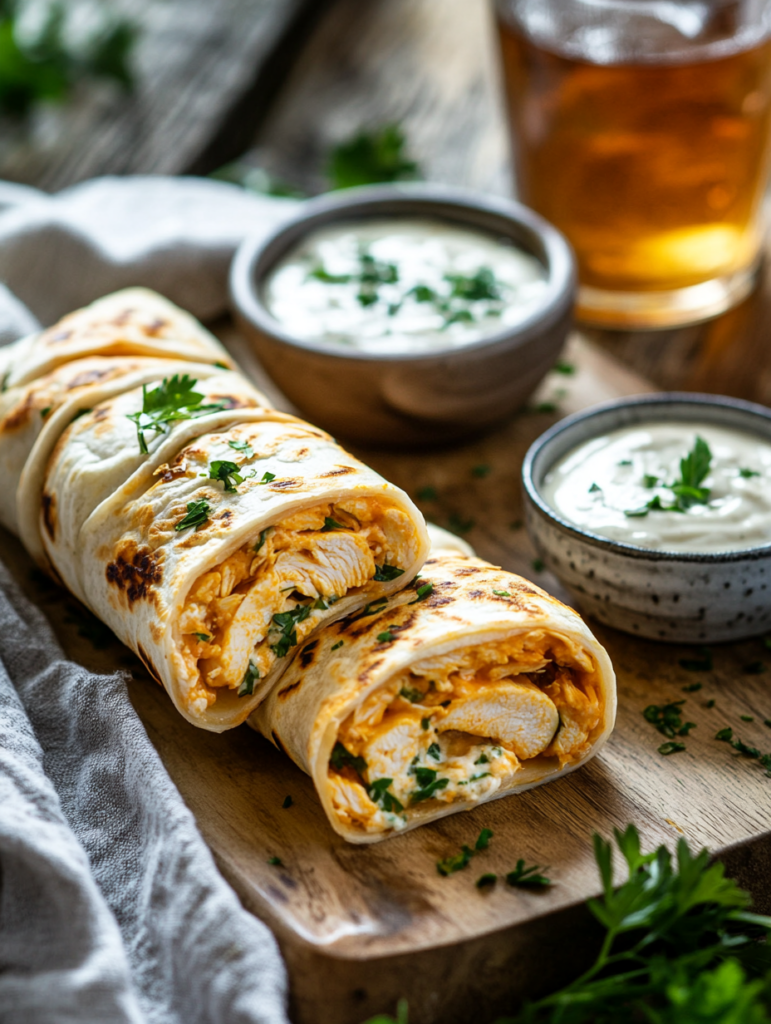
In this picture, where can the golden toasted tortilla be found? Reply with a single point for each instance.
(213, 539)
(469, 685)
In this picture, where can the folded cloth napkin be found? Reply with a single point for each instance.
(111, 907)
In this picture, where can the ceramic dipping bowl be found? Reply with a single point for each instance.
(670, 596)
(416, 398)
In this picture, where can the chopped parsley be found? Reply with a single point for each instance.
(671, 747)
(516, 524)
(482, 285)
(288, 801)
(252, 674)
(435, 751)
(667, 718)
(650, 481)
(385, 573)
(502, 593)
(45, 412)
(428, 783)
(334, 647)
(528, 878)
(747, 473)
(286, 623)
(332, 524)
(701, 664)
(197, 515)
(709, 703)
(563, 367)
(263, 534)
(424, 590)
(482, 759)
(371, 157)
(486, 881)
(747, 718)
(343, 758)
(724, 734)
(412, 695)
(427, 494)
(767, 722)
(378, 793)
(538, 564)
(226, 472)
(242, 446)
(594, 488)
(481, 471)
(386, 637)
(425, 723)
(267, 478)
(483, 839)
(375, 607)
(692, 687)
(173, 400)
(450, 865)
(275, 862)
(203, 637)
(687, 489)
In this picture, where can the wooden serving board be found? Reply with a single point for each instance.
(362, 926)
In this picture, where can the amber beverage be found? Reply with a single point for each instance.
(647, 144)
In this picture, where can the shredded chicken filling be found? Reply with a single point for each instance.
(264, 599)
(459, 727)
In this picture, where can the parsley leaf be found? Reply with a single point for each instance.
(334, 647)
(386, 637)
(371, 157)
(435, 751)
(483, 839)
(226, 472)
(332, 524)
(385, 572)
(527, 878)
(242, 446)
(286, 622)
(197, 515)
(450, 865)
(667, 718)
(203, 637)
(378, 793)
(263, 534)
(343, 758)
(671, 747)
(252, 674)
(411, 694)
(267, 478)
(424, 591)
(486, 881)
(687, 490)
(173, 400)
(748, 473)
(288, 801)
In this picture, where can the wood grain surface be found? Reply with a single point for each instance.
(205, 73)
(362, 926)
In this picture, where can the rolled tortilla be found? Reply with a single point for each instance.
(222, 547)
(470, 685)
(132, 322)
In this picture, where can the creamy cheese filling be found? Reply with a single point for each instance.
(460, 726)
(264, 599)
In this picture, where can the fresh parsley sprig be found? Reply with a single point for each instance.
(687, 490)
(197, 515)
(173, 400)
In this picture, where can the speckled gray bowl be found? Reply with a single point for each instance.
(691, 598)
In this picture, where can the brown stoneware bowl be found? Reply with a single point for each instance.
(410, 399)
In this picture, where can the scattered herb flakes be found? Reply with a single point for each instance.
(242, 446)
(692, 687)
(412, 695)
(450, 865)
(481, 470)
(252, 674)
(486, 881)
(173, 400)
(538, 565)
(743, 748)
(435, 751)
(386, 637)
(286, 623)
(625, 462)
(379, 794)
(667, 719)
(482, 759)
(701, 664)
(374, 607)
(429, 784)
(725, 735)
(45, 412)
(267, 478)
(528, 878)
(425, 724)
(545, 407)
(458, 524)
(671, 747)
(275, 862)
(335, 647)
(687, 489)
(263, 534)
(565, 368)
(331, 525)
(483, 839)
(710, 703)
(747, 473)
(755, 668)
(341, 757)
(747, 718)
(650, 481)
(384, 573)
(425, 590)
(205, 638)
(594, 488)
(502, 593)
(371, 157)
(767, 722)
(288, 801)
(197, 515)
(227, 473)
(516, 524)
(427, 494)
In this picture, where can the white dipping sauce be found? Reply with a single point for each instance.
(596, 484)
(435, 285)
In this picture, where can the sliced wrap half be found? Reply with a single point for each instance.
(469, 685)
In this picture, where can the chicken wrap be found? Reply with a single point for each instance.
(470, 684)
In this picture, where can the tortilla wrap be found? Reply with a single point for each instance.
(467, 686)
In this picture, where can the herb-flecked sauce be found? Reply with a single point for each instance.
(632, 485)
(402, 284)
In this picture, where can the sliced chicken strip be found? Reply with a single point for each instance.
(519, 715)
(327, 563)
(248, 626)
(393, 746)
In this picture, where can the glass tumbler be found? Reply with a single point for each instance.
(641, 130)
